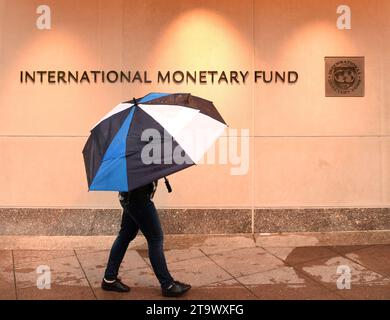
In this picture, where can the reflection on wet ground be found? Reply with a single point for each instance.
(237, 267)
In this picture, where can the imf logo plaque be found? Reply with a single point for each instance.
(344, 76)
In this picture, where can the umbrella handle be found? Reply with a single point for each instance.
(168, 185)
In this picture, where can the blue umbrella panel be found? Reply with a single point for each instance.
(114, 154)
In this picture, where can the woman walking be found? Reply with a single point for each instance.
(139, 213)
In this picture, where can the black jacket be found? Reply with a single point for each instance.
(144, 192)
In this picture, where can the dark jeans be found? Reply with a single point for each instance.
(139, 213)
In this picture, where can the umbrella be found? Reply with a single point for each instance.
(143, 140)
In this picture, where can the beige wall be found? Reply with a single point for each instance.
(306, 149)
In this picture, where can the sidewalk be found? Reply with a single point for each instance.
(293, 266)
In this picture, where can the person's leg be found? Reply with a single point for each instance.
(127, 233)
(145, 215)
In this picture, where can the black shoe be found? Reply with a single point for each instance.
(117, 286)
(176, 289)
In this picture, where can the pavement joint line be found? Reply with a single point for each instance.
(85, 275)
(312, 278)
(308, 275)
(353, 250)
(254, 238)
(302, 273)
(251, 291)
(252, 273)
(248, 287)
(229, 273)
(172, 262)
(211, 259)
(230, 250)
(357, 262)
(326, 256)
(263, 271)
(303, 262)
(364, 266)
(13, 270)
(91, 251)
(147, 261)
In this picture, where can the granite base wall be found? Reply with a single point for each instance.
(49, 221)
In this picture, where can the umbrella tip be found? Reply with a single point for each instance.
(167, 184)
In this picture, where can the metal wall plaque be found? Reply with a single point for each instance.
(344, 76)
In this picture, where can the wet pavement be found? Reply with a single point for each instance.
(218, 267)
